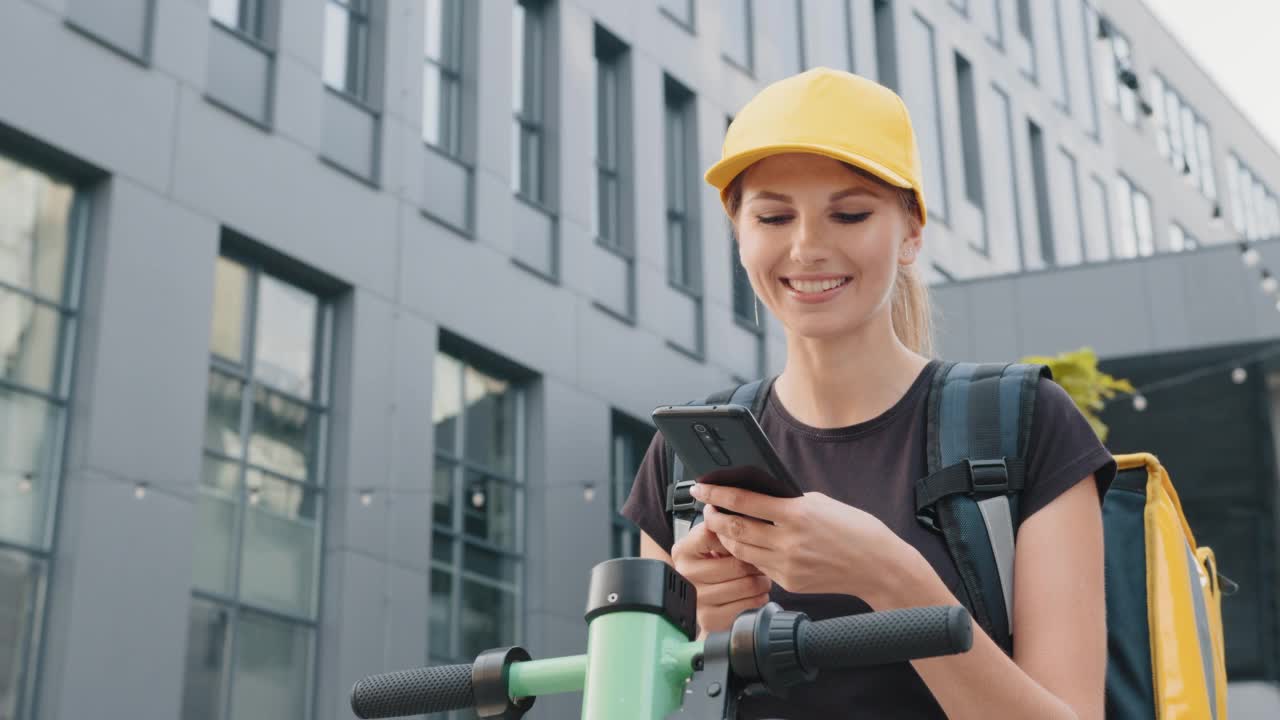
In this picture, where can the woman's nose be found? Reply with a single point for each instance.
(806, 243)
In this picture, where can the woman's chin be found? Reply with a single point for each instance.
(820, 326)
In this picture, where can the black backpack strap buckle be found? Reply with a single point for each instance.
(988, 476)
(679, 498)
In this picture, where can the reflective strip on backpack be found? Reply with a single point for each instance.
(1202, 629)
(998, 518)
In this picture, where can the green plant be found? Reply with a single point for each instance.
(1077, 372)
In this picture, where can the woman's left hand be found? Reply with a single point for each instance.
(815, 545)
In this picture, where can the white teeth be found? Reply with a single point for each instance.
(816, 286)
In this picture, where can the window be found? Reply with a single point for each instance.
(1134, 215)
(745, 304)
(1069, 245)
(442, 76)
(1182, 137)
(684, 251)
(969, 131)
(631, 438)
(736, 39)
(1005, 216)
(1062, 91)
(920, 92)
(850, 32)
(1255, 211)
(1119, 79)
(346, 47)
(241, 65)
(1040, 176)
(528, 96)
(1180, 239)
(260, 503)
(477, 546)
(247, 16)
(679, 10)
(611, 137)
(1097, 222)
(993, 21)
(41, 227)
(886, 45)
(785, 51)
(1027, 50)
(1089, 21)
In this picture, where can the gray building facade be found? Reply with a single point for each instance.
(330, 328)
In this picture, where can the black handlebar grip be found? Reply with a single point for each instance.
(413, 692)
(884, 637)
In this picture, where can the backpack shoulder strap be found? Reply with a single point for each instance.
(979, 423)
(685, 511)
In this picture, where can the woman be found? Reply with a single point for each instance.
(821, 180)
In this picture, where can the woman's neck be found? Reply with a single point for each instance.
(838, 382)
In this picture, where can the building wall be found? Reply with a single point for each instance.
(172, 173)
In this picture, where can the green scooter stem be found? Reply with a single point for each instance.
(646, 680)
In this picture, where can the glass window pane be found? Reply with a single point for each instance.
(336, 31)
(446, 402)
(28, 438)
(272, 665)
(488, 618)
(1142, 223)
(531, 163)
(207, 638)
(442, 495)
(921, 97)
(216, 508)
(441, 614)
(222, 423)
(30, 341)
(433, 43)
(489, 510)
(34, 219)
(285, 342)
(490, 422)
(283, 434)
(230, 286)
(1127, 242)
(279, 562)
(518, 19)
(442, 548)
(495, 565)
(432, 106)
(20, 589)
(735, 40)
(1208, 184)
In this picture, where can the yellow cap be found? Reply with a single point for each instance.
(827, 112)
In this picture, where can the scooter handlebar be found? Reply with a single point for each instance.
(889, 636)
(418, 691)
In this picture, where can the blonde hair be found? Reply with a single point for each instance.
(911, 309)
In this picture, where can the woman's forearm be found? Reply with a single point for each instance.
(981, 683)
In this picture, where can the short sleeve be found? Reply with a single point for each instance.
(1062, 450)
(647, 504)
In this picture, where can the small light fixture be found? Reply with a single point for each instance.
(1239, 375)
(477, 499)
(255, 496)
(140, 490)
(588, 491)
(366, 497)
(1139, 402)
(1249, 255)
(1269, 282)
(24, 485)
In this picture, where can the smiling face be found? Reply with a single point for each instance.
(822, 243)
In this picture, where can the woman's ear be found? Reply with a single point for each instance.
(911, 245)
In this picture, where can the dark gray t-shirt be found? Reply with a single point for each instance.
(873, 466)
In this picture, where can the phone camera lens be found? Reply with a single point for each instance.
(700, 428)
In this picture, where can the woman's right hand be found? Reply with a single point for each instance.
(726, 585)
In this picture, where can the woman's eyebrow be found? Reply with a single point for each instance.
(769, 195)
(850, 192)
